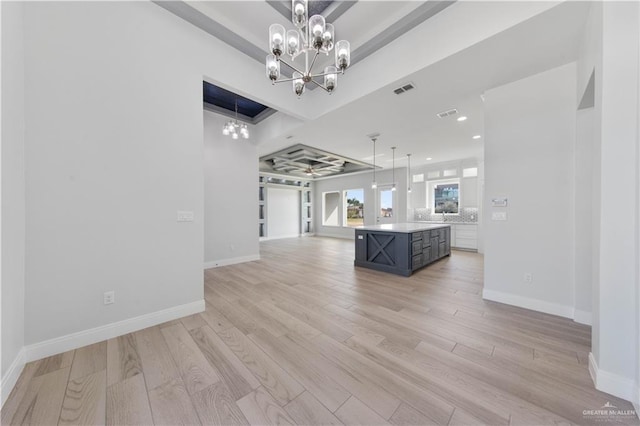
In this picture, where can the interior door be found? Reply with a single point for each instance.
(386, 201)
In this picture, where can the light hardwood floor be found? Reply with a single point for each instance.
(303, 337)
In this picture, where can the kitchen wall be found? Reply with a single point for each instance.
(359, 181)
(12, 224)
(419, 205)
(530, 130)
(230, 204)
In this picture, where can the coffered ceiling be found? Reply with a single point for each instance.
(451, 51)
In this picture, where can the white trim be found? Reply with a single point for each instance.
(612, 383)
(593, 369)
(109, 331)
(11, 376)
(231, 261)
(583, 317)
(529, 303)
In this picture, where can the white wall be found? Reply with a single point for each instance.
(583, 215)
(359, 181)
(13, 195)
(617, 336)
(114, 148)
(590, 61)
(283, 213)
(230, 195)
(529, 142)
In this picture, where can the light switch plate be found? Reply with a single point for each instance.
(185, 216)
(499, 216)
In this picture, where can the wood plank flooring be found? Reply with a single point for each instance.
(303, 337)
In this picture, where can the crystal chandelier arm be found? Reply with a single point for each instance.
(313, 61)
(323, 74)
(290, 66)
(320, 85)
(284, 80)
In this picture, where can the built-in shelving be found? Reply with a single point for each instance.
(306, 204)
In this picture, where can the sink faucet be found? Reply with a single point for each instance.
(444, 219)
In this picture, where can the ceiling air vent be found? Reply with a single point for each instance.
(447, 113)
(404, 88)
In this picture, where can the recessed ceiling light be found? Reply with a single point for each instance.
(429, 158)
(477, 137)
(464, 117)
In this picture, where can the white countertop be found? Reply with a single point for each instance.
(403, 227)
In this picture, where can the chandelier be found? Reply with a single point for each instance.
(233, 127)
(311, 37)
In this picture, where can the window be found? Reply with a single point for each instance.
(445, 196)
(418, 178)
(353, 207)
(470, 172)
(386, 203)
(330, 204)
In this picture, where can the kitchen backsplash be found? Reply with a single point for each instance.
(467, 214)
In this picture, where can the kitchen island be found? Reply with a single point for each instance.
(401, 248)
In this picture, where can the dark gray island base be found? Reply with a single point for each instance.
(401, 248)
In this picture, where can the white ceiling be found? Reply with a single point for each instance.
(409, 121)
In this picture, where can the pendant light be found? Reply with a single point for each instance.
(374, 185)
(393, 168)
(408, 172)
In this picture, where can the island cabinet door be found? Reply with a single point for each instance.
(435, 242)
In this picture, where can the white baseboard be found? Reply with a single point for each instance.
(529, 303)
(231, 261)
(10, 378)
(281, 237)
(86, 337)
(583, 317)
(614, 384)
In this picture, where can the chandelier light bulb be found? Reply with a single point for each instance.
(298, 84)
(234, 135)
(276, 39)
(273, 68)
(330, 78)
(225, 130)
(327, 37)
(299, 13)
(343, 54)
(293, 42)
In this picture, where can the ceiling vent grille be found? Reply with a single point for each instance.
(447, 113)
(404, 88)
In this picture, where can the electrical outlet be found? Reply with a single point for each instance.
(109, 297)
(528, 278)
